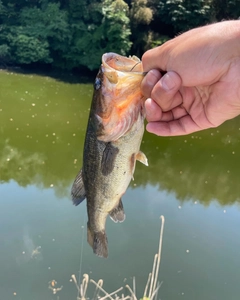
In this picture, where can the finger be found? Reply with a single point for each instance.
(155, 58)
(181, 126)
(166, 91)
(148, 82)
(171, 115)
(153, 111)
(178, 113)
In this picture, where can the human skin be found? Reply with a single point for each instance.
(193, 80)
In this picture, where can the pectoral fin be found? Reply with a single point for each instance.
(117, 214)
(108, 159)
(78, 191)
(140, 156)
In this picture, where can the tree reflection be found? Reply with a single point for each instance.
(42, 142)
(202, 166)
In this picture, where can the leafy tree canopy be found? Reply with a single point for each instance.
(72, 34)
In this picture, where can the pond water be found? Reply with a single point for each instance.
(192, 180)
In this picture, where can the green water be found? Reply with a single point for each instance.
(193, 181)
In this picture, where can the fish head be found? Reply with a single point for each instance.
(118, 100)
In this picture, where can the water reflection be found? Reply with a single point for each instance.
(42, 129)
(28, 250)
(42, 125)
(43, 240)
(203, 166)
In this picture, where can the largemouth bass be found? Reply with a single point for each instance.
(114, 134)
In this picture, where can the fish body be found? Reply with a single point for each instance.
(114, 134)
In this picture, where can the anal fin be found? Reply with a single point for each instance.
(117, 214)
(78, 191)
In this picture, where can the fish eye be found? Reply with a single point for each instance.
(97, 84)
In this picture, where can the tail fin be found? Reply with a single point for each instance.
(98, 241)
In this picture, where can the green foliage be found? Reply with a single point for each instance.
(3, 11)
(105, 28)
(141, 16)
(5, 56)
(116, 26)
(184, 14)
(157, 40)
(27, 49)
(140, 13)
(226, 9)
(49, 25)
(75, 33)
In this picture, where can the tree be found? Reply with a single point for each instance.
(49, 26)
(75, 33)
(105, 27)
(141, 16)
(184, 14)
(116, 26)
(28, 49)
(225, 9)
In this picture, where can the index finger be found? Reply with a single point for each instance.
(149, 81)
(154, 59)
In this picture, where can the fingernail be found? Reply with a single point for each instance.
(148, 107)
(167, 82)
(152, 77)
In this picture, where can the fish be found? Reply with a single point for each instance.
(112, 145)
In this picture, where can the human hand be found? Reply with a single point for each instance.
(201, 86)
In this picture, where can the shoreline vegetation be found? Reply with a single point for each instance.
(151, 289)
(67, 76)
(72, 35)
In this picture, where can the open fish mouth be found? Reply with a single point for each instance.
(121, 98)
(121, 63)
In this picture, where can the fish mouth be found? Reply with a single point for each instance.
(121, 101)
(121, 63)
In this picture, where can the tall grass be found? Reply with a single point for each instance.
(151, 288)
